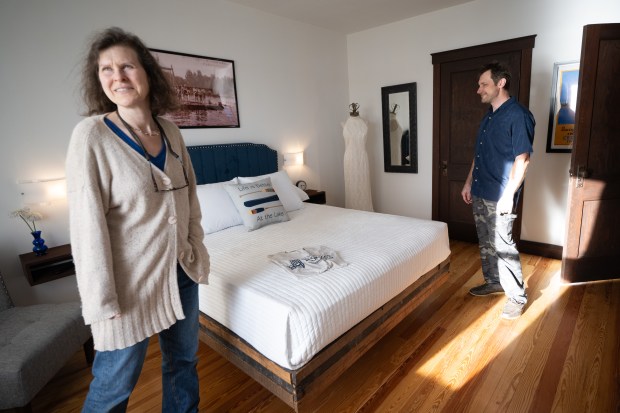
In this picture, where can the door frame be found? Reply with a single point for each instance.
(524, 45)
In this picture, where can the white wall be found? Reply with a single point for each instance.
(401, 53)
(292, 88)
(294, 84)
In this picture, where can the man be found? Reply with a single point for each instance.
(494, 184)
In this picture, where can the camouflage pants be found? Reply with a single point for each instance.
(498, 251)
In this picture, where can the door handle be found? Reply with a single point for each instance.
(581, 173)
(444, 168)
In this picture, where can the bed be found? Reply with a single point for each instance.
(297, 334)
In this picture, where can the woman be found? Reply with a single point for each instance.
(135, 226)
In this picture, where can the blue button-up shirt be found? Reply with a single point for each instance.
(503, 135)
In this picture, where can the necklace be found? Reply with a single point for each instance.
(137, 138)
(136, 129)
(147, 133)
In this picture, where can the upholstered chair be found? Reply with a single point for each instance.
(36, 341)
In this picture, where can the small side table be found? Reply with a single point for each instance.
(57, 263)
(316, 197)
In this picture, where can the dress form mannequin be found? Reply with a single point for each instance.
(356, 166)
(396, 134)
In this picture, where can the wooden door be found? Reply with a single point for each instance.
(457, 112)
(592, 244)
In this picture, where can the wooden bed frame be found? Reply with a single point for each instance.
(301, 387)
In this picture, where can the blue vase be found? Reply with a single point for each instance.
(39, 243)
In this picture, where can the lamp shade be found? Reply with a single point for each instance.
(296, 158)
(42, 191)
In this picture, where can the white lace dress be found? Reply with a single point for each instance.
(356, 167)
(396, 135)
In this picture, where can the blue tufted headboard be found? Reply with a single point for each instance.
(218, 163)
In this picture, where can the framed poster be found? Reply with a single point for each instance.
(205, 88)
(563, 102)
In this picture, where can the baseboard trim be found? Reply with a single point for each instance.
(541, 249)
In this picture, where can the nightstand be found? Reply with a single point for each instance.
(316, 197)
(56, 263)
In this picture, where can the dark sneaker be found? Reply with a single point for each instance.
(512, 309)
(487, 289)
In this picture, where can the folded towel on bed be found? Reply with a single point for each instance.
(308, 260)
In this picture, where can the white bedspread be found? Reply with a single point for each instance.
(289, 319)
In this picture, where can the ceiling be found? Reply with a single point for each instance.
(348, 16)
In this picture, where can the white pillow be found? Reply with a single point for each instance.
(218, 210)
(288, 193)
(258, 203)
(301, 193)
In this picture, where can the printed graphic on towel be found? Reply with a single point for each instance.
(308, 260)
(311, 259)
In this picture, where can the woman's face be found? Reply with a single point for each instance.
(123, 78)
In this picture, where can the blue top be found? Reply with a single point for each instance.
(503, 135)
(159, 160)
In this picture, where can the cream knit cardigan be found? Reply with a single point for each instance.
(126, 239)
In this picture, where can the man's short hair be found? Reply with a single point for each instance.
(498, 71)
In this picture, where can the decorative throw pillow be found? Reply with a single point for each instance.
(257, 203)
(218, 210)
(282, 184)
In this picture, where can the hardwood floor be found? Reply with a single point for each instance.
(453, 355)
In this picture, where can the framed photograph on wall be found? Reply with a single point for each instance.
(205, 88)
(563, 102)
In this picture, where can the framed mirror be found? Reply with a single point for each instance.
(400, 128)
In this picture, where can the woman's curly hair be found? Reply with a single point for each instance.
(161, 94)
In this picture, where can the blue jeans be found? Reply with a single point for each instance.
(498, 251)
(115, 373)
